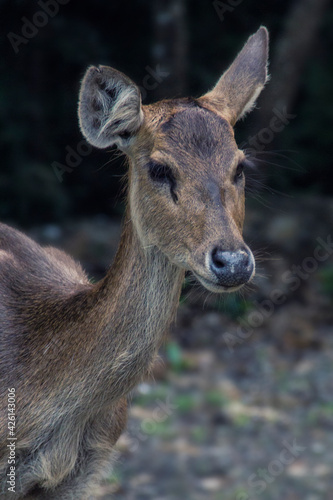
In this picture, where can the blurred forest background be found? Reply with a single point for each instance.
(241, 378)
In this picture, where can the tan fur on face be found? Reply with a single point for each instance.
(200, 148)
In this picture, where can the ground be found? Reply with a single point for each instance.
(241, 404)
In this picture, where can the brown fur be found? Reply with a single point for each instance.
(73, 350)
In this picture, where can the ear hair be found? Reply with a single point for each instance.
(236, 92)
(109, 107)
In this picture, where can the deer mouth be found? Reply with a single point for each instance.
(214, 287)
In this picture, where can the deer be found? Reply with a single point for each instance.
(72, 350)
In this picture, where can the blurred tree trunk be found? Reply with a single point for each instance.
(170, 47)
(37, 122)
(293, 50)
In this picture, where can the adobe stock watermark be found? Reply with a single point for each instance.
(30, 27)
(257, 483)
(222, 8)
(258, 142)
(266, 308)
(73, 159)
(153, 78)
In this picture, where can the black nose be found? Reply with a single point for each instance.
(231, 268)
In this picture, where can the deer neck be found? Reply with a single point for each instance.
(138, 300)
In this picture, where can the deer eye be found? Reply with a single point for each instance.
(160, 173)
(163, 174)
(239, 172)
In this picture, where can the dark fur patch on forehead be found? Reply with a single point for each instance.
(196, 128)
(178, 105)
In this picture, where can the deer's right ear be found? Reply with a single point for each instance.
(109, 107)
(236, 92)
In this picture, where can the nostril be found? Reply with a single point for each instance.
(217, 258)
(231, 268)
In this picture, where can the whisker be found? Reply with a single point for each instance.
(284, 167)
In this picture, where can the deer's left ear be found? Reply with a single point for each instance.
(110, 109)
(235, 93)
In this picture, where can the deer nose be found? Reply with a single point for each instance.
(231, 268)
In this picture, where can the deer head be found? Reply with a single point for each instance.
(186, 180)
